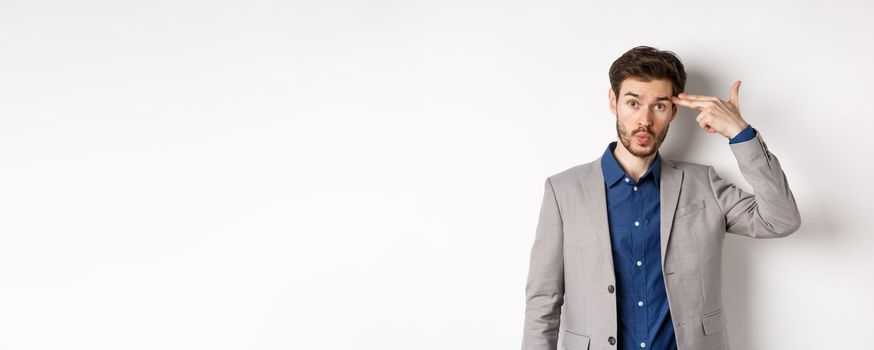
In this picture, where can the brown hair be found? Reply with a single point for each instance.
(647, 63)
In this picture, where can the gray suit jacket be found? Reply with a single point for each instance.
(572, 263)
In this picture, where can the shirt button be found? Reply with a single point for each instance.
(643, 345)
(611, 340)
(639, 263)
(626, 179)
(635, 188)
(610, 289)
(637, 223)
(640, 303)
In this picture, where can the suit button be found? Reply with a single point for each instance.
(611, 340)
(610, 289)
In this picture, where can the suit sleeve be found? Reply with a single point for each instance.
(544, 291)
(768, 213)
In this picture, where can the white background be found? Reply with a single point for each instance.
(368, 174)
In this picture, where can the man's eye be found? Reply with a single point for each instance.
(660, 106)
(632, 103)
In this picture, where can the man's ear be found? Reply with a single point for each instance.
(612, 98)
(674, 114)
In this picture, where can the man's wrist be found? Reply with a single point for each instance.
(748, 133)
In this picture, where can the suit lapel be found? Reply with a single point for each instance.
(596, 202)
(671, 180)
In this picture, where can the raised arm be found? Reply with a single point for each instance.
(771, 210)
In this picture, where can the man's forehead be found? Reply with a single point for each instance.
(654, 89)
(657, 98)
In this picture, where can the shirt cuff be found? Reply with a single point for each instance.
(745, 135)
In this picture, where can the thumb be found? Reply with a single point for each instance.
(735, 88)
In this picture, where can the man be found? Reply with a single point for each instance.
(630, 243)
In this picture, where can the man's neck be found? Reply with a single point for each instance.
(631, 164)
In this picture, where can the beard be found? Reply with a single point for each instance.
(638, 151)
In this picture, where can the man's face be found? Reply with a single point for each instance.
(643, 111)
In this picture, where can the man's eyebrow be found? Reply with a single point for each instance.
(660, 98)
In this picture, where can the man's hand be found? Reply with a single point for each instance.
(716, 115)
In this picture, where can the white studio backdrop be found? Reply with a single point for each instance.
(368, 174)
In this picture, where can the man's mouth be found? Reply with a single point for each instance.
(642, 137)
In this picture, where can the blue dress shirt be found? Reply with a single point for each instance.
(633, 209)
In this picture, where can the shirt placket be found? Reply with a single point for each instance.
(639, 230)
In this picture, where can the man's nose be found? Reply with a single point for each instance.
(645, 118)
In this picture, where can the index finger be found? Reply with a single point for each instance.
(688, 103)
(697, 97)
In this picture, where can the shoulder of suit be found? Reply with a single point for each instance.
(574, 173)
(688, 167)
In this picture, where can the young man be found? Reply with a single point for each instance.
(630, 243)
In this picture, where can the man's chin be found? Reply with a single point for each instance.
(641, 151)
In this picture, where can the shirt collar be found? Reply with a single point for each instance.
(613, 172)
